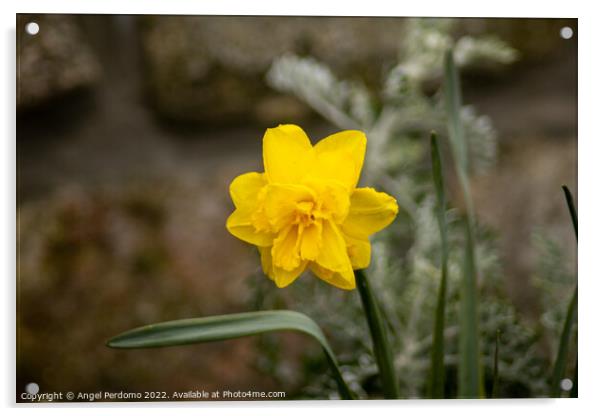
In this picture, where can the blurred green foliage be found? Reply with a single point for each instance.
(405, 268)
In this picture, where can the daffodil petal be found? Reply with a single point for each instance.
(333, 196)
(245, 189)
(285, 253)
(340, 157)
(287, 154)
(281, 201)
(333, 253)
(311, 241)
(359, 252)
(370, 211)
(341, 280)
(266, 261)
(239, 225)
(283, 278)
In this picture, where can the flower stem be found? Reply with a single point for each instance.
(378, 332)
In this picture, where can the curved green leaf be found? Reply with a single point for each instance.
(223, 327)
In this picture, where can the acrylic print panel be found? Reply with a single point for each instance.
(295, 208)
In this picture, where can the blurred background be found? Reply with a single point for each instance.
(130, 129)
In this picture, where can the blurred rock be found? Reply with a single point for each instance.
(54, 61)
(96, 263)
(211, 68)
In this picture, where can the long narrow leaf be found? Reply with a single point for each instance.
(571, 205)
(222, 327)
(437, 375)
(380, 342)
(563, 347)
(469, 371)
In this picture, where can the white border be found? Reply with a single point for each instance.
(507, 8)
(590, 207)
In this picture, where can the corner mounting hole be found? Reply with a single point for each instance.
(32, 388)
(566, 384)
(32, 28)
(566, 32)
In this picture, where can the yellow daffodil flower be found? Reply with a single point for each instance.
(305, 211)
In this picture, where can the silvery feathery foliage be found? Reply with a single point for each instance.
(426, 40)
(343, 103)
(405, 268)
(553, 279)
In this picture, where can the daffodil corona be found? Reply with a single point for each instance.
(305, 210)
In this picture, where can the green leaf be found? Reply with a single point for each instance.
(469, 371)
(380, 342)
(571, 205)
(223, 327)
(453, 104)
(563, 347)
(437, 374)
